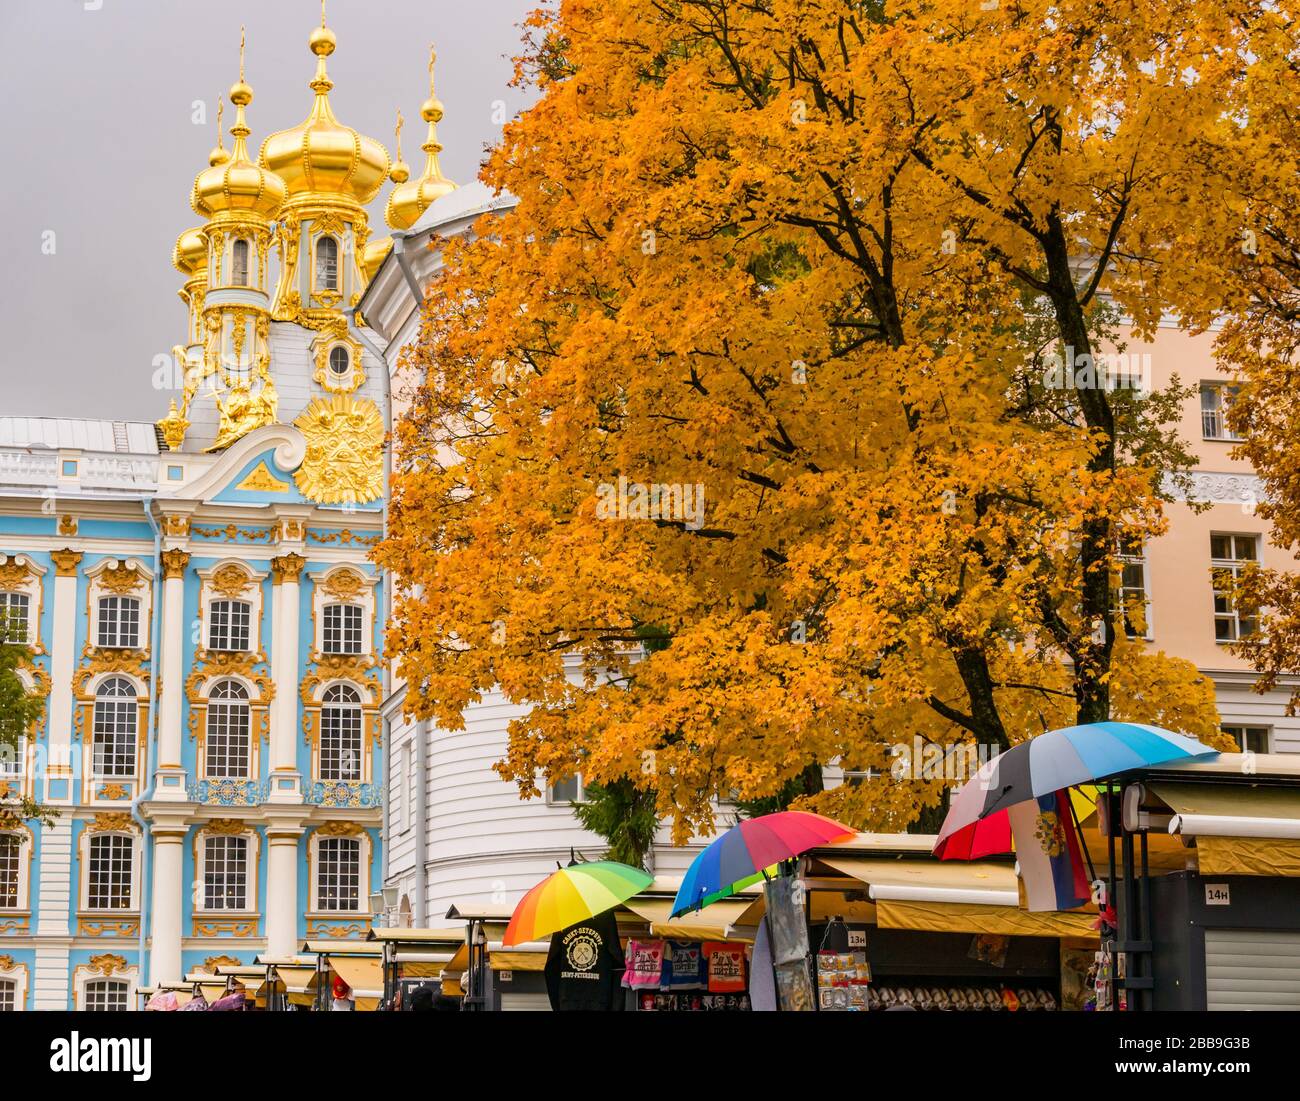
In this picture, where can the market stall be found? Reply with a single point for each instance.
(416, 957)
(286, 982)
(357, 965)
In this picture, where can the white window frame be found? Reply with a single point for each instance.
(31, 587)
(316, 265)
(83, 852)
(97, 590)
(16, 978)
(322, 582)
(23, 836)
(1244, 730)
(346, 709)
(364, 855)
(10, 600)
(133, 709)
(253, 855)
(252, 595)
(555, 801)
(86, 974)
(235, 281)
(223, 706)
(1214, 418)
(122, 604)
(1142, 560)
(1233, 566)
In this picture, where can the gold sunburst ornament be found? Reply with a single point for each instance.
(344, 460)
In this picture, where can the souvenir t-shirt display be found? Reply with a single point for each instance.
(683, 966)
(645, 963)
(726, 967)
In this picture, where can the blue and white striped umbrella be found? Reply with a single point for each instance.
(1060, 759)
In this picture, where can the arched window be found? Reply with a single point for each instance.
(342, 629)
(225, 872)
(239, 263)
(327, 264)
(116, 720)
(106, 995)
(230, 626)
(119, 623)
(227, 732)
(340, 734)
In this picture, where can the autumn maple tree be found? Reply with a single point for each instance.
(737, 447)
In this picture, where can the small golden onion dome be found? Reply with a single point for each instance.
(374, 254)
(321, 156)
(190, 255)
(237, 185)
(410, 199)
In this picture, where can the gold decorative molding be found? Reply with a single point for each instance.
(211, 963)
(231, 532)
(111, 822)
(175, 562)
(340, 829)
(230, 826)
(121, 579)
(107, 964)
(347, 536)
(335, 929)
(261, 480)
(343, 585)
(176, 526)
(173, 427)
(292, 531)
(227, 927)
(345, 439)
(67, 525)
(7, 963)
(288, 567)
(103, 927)
(20, 925)
(66, 562)
(113, 791)
(231, 581)
(14, 575)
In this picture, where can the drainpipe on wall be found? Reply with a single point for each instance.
(155, 615)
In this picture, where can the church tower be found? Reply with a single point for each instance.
(411, 198)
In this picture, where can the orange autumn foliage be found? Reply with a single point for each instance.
(805, 263)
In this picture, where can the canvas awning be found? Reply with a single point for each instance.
(1240, 829)
(955, 897)
(508, 959)
(709, 923)
(418, 936)
(295, 979)
(364, 976)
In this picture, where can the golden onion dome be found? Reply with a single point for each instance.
(321, 156)
(374, 254)
(236, 185)
(190, 254)
(411, 198)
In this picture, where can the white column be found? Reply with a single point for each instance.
(282, 890)
(168, 892)
(285, 669)
(62, 661)
(170, 776)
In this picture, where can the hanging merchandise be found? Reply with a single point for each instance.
(726, 964)
(843, 979)
(683, 966)
(584, 967)
(645, 963)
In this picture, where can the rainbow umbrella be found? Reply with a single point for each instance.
(1052, 761)
(573, 894)
(738, 858)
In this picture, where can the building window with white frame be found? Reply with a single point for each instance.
(109, 869)
(566, 791)
(116, 723)
(119, 623)
(1229, 557)
(338, 873)
(327, 264)
(1133, 598)
(106, 995)
(227, 742)
(15, 613)
(8, 996)
(343, 629)
(239, 263)
(340, 734)
(1216, 400)
(230, 626)
(11, 853)
(225, 873)
(1250, 739)
(12, 752)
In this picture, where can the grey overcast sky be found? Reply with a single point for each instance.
(99, 148)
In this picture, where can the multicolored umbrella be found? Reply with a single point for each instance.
(991, 836)
(1052, 761)
(573, 894)
(738, 857)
